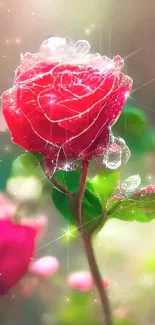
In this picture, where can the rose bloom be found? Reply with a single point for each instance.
(65, 100)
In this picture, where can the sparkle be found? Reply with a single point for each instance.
(18, 41)
(67, 167)
(87, 31)
(69, 232)
(126, 94)
(110, 65)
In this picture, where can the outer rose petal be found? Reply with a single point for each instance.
(17, 244)
(21, 129)
(32, 64)
(82, 148)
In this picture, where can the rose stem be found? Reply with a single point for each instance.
(59, 187)
(53, 181)
(87, 240)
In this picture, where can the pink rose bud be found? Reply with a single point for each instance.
(45, 266)
(80, 281)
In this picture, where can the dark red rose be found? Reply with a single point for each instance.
(64, 101)
(17, 246)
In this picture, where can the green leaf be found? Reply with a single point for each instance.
(91, 210)
(138, 207)
(132, 122)
(124, 321)
(149, 263)
(26, 165)
(133, 127)
(69, 179)
(30, 161)
(63, 205)
(18, 169)
(91, 207)
(104, 184)
(78, 309)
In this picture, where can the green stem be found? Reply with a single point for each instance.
(87, 241)
(98, 280)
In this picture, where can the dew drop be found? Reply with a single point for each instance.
(131, 184)
(117, 153)
(68, 167)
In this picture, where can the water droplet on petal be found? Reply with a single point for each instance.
(117, 154)
(68, 166)
(131, 184)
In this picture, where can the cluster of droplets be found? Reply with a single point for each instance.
(130, 185)
(117, 153)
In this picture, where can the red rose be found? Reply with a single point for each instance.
(17, 246)
(64, 101)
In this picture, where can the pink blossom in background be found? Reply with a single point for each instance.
(17, 248)
(44, 266)
(80, 280)
(83, 281)
(3, 125)
(17, 244)
(7, 207)
(28, 285)
(106, 283)
(39, 223)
